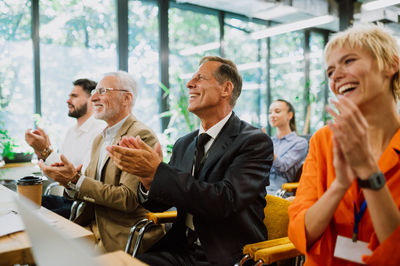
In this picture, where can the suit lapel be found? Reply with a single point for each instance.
(121, 133)
(221, 144)
(187, 159)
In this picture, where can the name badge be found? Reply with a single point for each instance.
(352, 251)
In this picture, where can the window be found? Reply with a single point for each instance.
(77, 40)
(318, 84)
(192, 35)
(287, 72)
(16, 68)
(144, 60)
(250, 57)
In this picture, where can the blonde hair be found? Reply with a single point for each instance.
(382, 46)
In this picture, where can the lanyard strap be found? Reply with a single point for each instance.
(357, 218)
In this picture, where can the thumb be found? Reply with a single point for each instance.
(79, 168)
(65, 160)
(157, 149)
(142, 144)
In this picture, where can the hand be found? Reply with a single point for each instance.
(37, 139)
(350, 129)
(344, 173)
(137, 158)
(62, 172)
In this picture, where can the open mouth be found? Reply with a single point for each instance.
(347, 88)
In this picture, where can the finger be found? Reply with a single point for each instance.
(332, 112)
(79, 168)
(65, 161)
(41, 131)
(126, 142)
(264, 130)
(157, 148)
(143, 145)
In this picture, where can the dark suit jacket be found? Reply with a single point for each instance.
(227, 201)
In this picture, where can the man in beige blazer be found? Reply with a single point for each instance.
(109, 194)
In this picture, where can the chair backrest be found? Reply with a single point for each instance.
(54, 189)
(276, 216)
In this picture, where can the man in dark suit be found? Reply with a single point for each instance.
(220, 197)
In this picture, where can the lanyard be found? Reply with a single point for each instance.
(357, 218)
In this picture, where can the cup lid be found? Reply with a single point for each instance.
(29, 180)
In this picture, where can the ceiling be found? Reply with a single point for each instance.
(287, 11)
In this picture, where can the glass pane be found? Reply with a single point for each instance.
(16, 68)
(287, 72)
(250, 56)
(192, 36)
(80, 43)
(318, 85)
(144, 60)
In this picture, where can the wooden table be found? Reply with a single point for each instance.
(119, 258)
(16, 248)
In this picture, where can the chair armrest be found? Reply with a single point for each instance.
(276, 253)
(162, 217)
(252, 248)
(290, 187)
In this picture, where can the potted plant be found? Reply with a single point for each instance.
(9, 148)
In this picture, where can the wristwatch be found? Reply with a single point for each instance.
(72, 183)
(46, 152)
(376, 181)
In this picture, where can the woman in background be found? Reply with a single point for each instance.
(346, 208)
(290, 150)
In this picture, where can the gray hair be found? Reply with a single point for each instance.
(126, 82)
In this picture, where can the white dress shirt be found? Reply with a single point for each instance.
(77, 143)
(109, 134)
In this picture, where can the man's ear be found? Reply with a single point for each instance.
(128, 98)
(227, 88)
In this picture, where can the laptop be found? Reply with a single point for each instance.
(50, 246)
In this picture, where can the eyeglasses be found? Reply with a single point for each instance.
(102, 91)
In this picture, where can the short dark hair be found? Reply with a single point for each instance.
(86, 84)
(227, 71)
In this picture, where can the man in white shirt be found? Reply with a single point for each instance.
(77, 142)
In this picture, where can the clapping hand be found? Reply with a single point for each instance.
(136, 157)
(62, 172)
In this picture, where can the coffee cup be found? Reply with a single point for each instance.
(31, 188)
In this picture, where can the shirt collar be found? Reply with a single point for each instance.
(215, 129)
(86, 126)
(291, 135)
(112, 131)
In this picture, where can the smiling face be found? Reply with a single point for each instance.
(279, 115)
(108, 106)
(354, 73)
(206, 94)
(77, 102)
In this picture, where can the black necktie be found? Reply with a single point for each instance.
(202, 139)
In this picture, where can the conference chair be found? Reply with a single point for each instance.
(54, 188)
(143, 225)
(278, 247)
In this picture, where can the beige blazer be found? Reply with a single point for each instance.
(112, 201)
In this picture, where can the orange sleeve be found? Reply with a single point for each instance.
(386, 253)
(306, 196)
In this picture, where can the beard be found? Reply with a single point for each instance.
(78, 112)
(107, 114)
